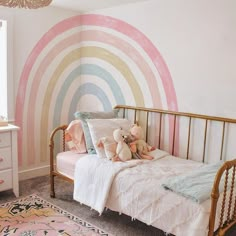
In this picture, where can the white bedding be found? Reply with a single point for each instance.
(94, 176)
(138, 193)
(135, 189)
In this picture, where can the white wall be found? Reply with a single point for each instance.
(197, 40)
(3, 68)
(25, 28)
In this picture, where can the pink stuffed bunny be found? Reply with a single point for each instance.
(138, 146)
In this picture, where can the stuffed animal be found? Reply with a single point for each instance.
(109, 145)
(138, 145)
(133, 149)
(123, 152)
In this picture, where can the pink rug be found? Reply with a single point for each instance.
(34, 216)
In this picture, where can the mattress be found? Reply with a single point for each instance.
(65, 162)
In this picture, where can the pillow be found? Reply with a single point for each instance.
(84, 116)
(74, 137)
(100, 128)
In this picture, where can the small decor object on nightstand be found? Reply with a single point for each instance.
(3, 121)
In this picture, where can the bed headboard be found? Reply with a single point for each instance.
(176, 132)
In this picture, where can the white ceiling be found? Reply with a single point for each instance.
(90, 5)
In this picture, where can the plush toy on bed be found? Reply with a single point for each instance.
(109, 145)
(123, 152)
(138, 146)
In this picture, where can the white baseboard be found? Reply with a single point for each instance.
(35, 172)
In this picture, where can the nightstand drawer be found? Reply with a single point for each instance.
(9, 159)
(5, 180)
(5, 139)
(5, 158)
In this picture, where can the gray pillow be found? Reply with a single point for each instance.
(83, 116)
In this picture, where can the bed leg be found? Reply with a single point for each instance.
(52, 190)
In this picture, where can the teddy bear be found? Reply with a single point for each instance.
(139, 148)
(123, 152)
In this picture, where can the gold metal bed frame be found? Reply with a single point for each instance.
(226, 173)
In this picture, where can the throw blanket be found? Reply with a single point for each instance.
(94, 176)
(197, 185)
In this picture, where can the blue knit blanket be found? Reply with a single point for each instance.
(196, 185)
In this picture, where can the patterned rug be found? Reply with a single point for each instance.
(34, 216)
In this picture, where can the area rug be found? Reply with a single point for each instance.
(34, 216)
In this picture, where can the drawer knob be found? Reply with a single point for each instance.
(1, 181)
(1, 159)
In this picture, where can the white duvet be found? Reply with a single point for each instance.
(134, 188)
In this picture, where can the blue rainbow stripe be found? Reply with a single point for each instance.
(86, 69)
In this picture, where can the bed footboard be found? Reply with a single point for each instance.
(53, 172)
(227, 206)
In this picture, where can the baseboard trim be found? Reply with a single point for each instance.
(34, 172)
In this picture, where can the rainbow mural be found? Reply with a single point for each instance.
(87, 58)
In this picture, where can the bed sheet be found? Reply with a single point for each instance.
(65, 162)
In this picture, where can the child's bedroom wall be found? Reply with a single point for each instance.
(197, 42)
(27, 29)
(174, 55)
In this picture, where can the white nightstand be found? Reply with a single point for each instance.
(9, 159)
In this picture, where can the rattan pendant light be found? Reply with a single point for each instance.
(30, 4)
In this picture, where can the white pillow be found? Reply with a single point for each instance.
(100, 128)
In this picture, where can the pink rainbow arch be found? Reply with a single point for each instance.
(102, 21)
